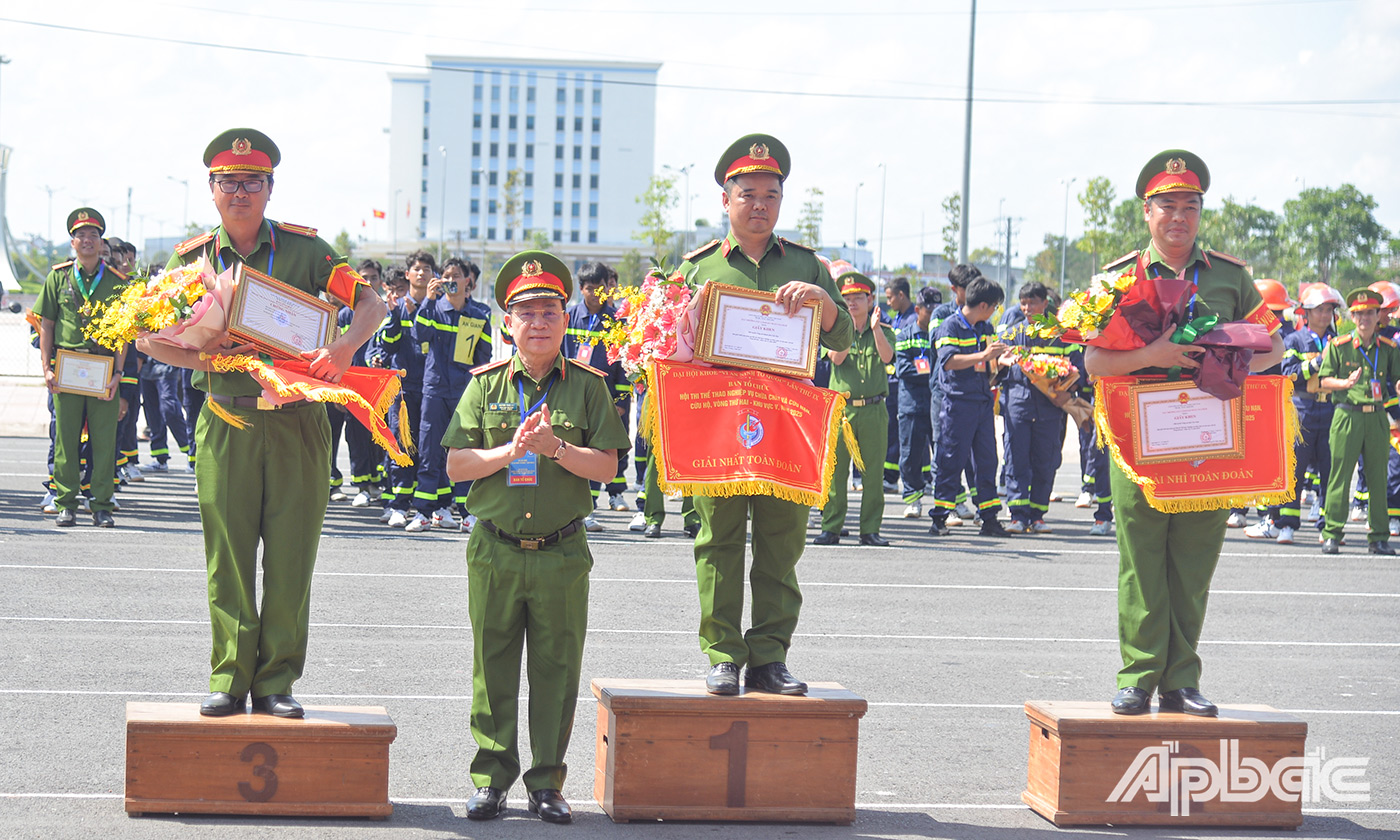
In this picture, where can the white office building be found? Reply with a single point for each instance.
(573, 142)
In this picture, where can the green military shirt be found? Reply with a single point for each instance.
(292, 254)
(487, 416)
(1223, 288)
(723, 261)
(66, 290)
(1379, 361)
(862, 374)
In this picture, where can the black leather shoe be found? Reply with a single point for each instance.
(723, 679)
(653, 531)
(692, 531)
(827, 538)
(874, 539)
(221, 703)
(278, 705)
(1188, 701)
(1382, 547)
(774, 679)
(1131, 701)
(845, 532)
(992, 528)
(103, 519)
(939, 528)
(486, 804)
(1329, 546)
(550, 806)
(67, 518)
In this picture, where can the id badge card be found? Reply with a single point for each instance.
(980, 367)
(584, 353)
(524, 471)
(1376, 390)
(921, 364)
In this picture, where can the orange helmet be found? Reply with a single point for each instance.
(1390, 293)
(1274, 294)
(1319, 293)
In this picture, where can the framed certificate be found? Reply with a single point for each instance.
(1175, 421)
(280, 320)
(83, 373)
(747, 328)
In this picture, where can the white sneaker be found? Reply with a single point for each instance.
(915, 509)
(1085, 500)
(616, 502)
(1358, 514)
(1309, 498)
(133, 473)
(468, 523)
(361, 500)
(638, 523)
(965, 511)
(397, 519)
(49, 505)
(419, 522)
(1039, 527)
(338, 495)
(856, 485)
(443, 518)
(814, 518)
(1315, 511)
(1394, 527)
(84, 502)
(591, 524)
(1236, 520)
(889, 487)
(954, 520)
(385, 514)
(1285, 536)
(158, 467)
(1100, 528)
(1262, 530)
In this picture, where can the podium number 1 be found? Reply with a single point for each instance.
(736, 741)
(262, 770)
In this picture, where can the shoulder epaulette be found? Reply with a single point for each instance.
(193, 242)
(61, 265)
(1384, 340)
(798, 245)
(477, 371)
(1226, 257)
(1121, 261)
(702, 249)
(1342, 339)
(117, 272)
(590, 368)
(291, 228)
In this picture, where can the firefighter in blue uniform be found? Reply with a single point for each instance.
(958, 278)
(913, 367)
(1034, 425)
(407, 354)
(899, 311)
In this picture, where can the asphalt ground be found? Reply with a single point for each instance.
(946, 638)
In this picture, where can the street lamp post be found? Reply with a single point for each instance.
(442, 208)
(1064, 239)
(855, 221)
(4, 60)
(684, 170)
(395, 211)
(884, 171)
(186, 183)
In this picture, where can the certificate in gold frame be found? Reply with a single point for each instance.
(281, 320)
(735, 332)
(1211, 434)
(82, 373)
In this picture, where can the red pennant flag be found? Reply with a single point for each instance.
(378, 214)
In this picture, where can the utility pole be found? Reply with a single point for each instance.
(967, 138)
(50, 191)
(884, 172)
(442, 205)
(396, 221)
(3, 61)
(186, 222)
(855, 220)
(128, 214)
(1064, 238)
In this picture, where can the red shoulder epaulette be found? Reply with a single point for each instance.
(787, 241)
(193, 242)
(590, 368)
(1226, 257)
(1123, 260)
(291, 228)
(1341, 339)
(702, 249)
(477, 371)
(60, 265)
(117, 272)
(1385, 340)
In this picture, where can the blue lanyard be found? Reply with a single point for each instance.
(1375, 365)
(592, 324)
(272, 250)
(1317, 340)
(520, 383)
(975, 334)
(97, 278)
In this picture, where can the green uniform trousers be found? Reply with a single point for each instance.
(779, 534)
(871, 426)
(1165, 564)
(538, 599)
(265, 483)
(654, 504)
(1355, 434)
(69, 410)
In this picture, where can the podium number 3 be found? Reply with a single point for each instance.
(736, 741)
(262, 770)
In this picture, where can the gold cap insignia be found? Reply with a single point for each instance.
(241, 146)
(759, 151)
(531, 268)
(83, 216)
(1176, 166)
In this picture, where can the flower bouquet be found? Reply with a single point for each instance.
(651, 323)
(184, 307)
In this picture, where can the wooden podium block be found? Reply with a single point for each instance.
(667, 750)
(1089, 766)
(332, 763)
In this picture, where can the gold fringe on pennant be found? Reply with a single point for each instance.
(227, 416)
(405, 433)
(848, 436)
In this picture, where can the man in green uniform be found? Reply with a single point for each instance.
(70, 287)
(859, 373)
(530, 433)
(1166, 560)
(752, 172)
(266, 483)
(1363, 368)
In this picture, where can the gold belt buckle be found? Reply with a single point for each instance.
(531, 545)
(264, 405)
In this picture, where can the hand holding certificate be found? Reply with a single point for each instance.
(280, 320)
(750, 329)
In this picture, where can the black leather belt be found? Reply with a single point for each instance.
(1364, 409)
(252, 402)
(532, 544)
(876, 400)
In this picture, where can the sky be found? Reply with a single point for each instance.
(1275, 96)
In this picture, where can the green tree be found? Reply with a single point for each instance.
(952, 226)
(631, 268)
(656, 235)
(1245, 231)
(1097, 202)
(809, 221)
(1044, 266)
(511, 202)
(1332, 234)
(342, 244)
(539, 241)
(986, 255)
